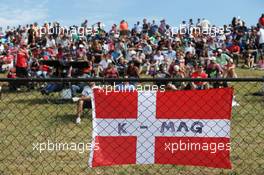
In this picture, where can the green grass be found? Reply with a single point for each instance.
(27, 118)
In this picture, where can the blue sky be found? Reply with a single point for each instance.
(70, 12)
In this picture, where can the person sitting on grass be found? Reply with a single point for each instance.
(85, 101)
(260, 64)
(221, 58)
(214, 70)
(249, 60)
(229, 69)
(234, 50)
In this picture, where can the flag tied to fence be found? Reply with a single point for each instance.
(173, 127)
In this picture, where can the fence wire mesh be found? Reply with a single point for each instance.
(47, 113)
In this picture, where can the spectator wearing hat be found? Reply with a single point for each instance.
(81, 53)
(221, 58)
(213, 69)
(162, 73)
(177, 73)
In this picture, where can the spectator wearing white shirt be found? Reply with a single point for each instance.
(138, 28)
(147, 49)
(189, 48)
(1, 47)
(205, 24)
(105, 61)
(63, 41)
(51, 42)
(158, 57)
(261, 39)
(170, 54)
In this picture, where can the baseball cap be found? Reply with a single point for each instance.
(200, 65)
(132, 52)
(176, 68)
(220, 50)
(231, 60)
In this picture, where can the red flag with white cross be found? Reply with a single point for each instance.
(173, 127)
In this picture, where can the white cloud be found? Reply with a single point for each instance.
(22, 12)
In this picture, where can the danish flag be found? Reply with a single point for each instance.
(172, 127)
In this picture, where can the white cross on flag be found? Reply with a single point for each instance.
(174, 127)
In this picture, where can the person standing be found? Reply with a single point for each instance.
(261, 40)
(21, 61)
(22, 64)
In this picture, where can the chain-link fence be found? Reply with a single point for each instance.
(46, 125)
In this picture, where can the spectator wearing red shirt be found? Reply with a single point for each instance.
(123, 28)
(111, 72)
(60, 53)
(43, 70)
(199, 73)
(235, 51)
(21, 62)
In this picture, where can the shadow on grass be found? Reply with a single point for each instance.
(43, 101)
(66, 118)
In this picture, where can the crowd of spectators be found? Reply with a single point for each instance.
(147, 49)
